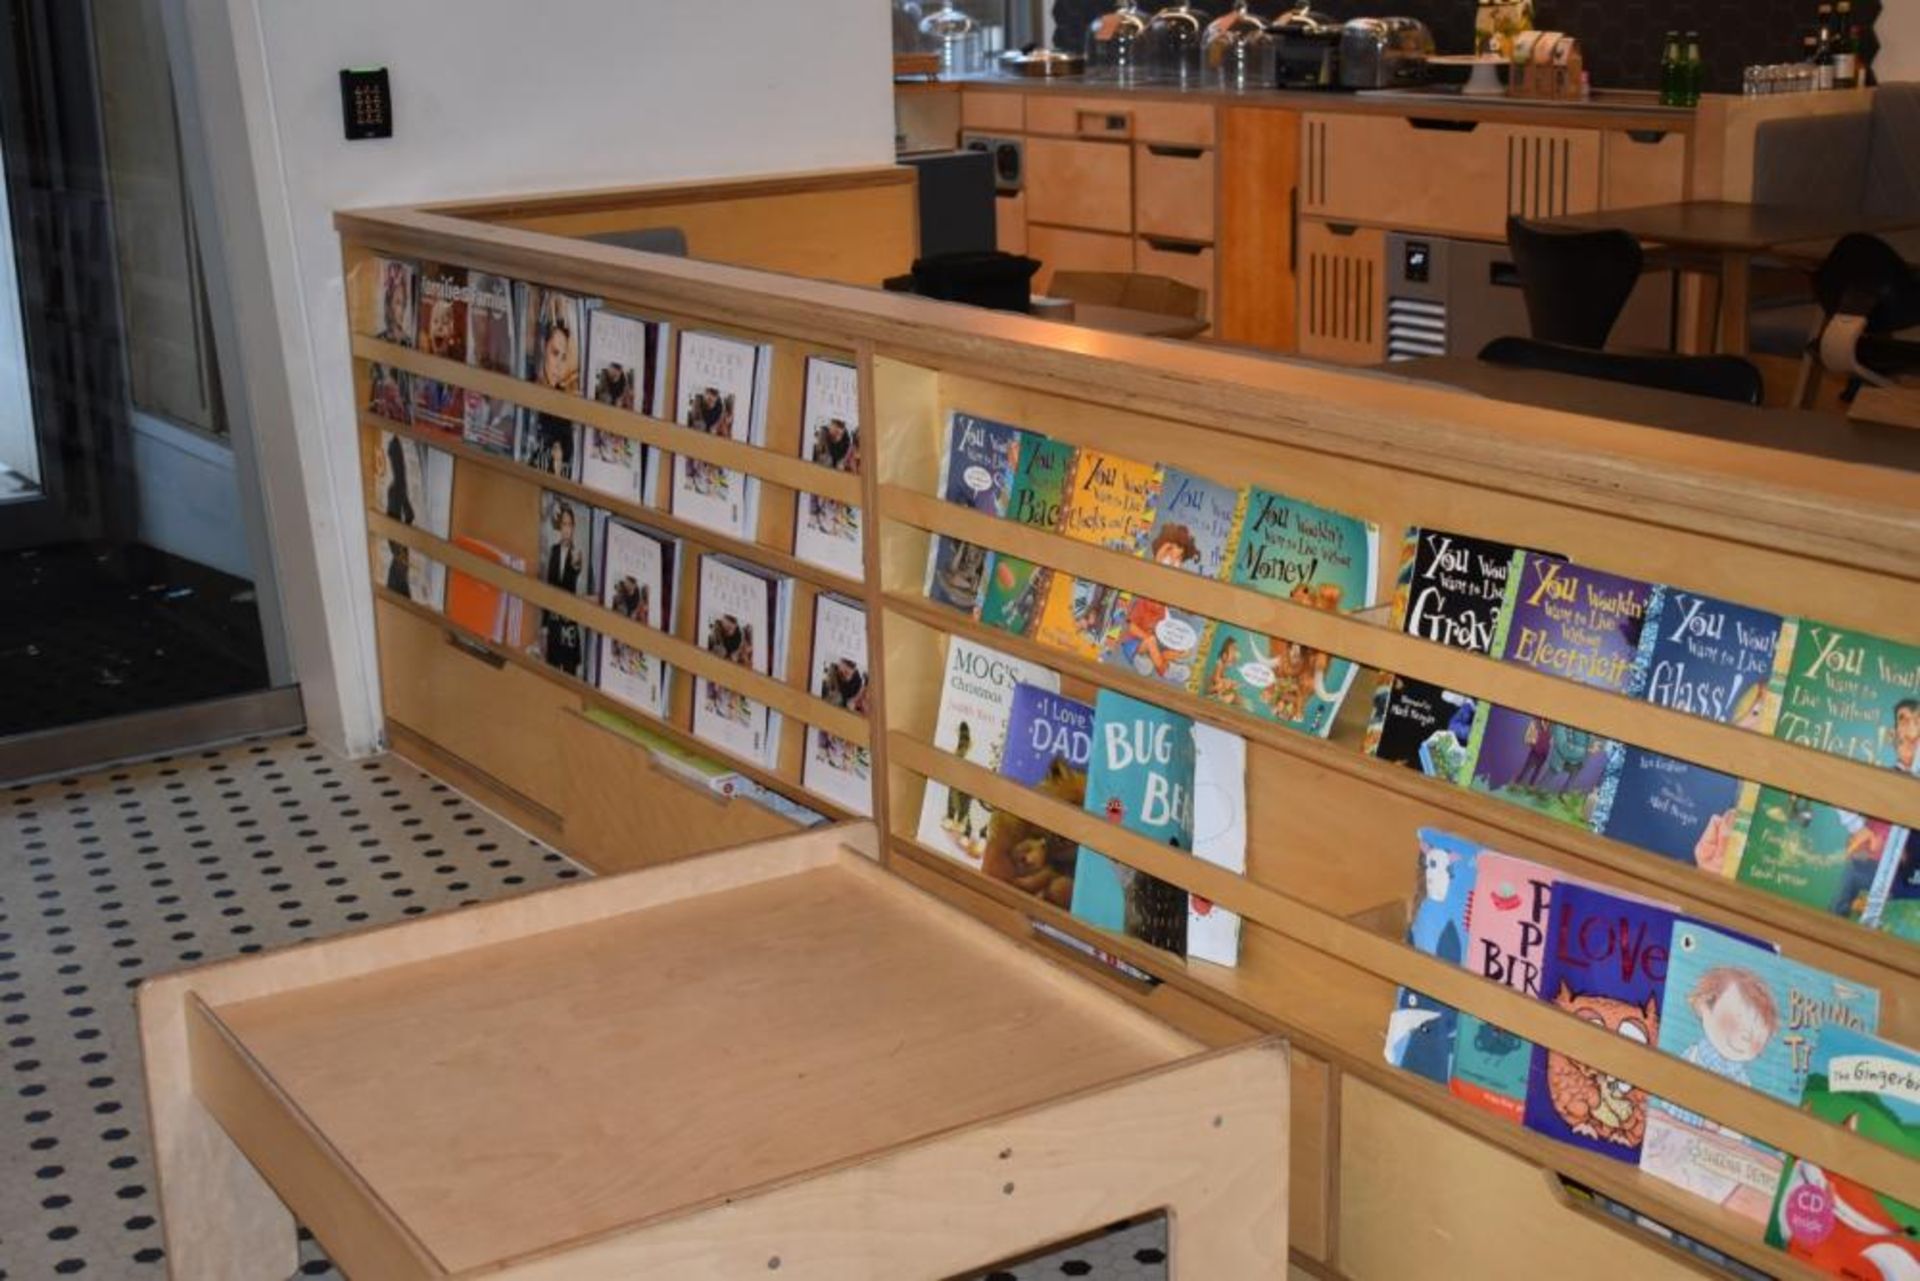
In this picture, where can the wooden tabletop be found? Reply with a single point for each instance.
(1727, 226)
(1811, 253)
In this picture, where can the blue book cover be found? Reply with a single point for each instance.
(1140, 776)
(977, 471)
(1756, 1019)
(1049, 738)
(1195, 524)
(1420, 1031)
(1606, 962)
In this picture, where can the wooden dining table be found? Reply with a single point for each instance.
(1730, 234)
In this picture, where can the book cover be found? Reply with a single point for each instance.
(827, 533)
(1219, 838)
(396, 295)
(1049, 741)
(1669, 807)
(1147, 638)
(1014, 588)
(1110, 500)
(549, 444)
(722, 384)
(552, 328)
(492, 340)
(1853, 695)
(837, 768)
(1314, 557)
(390, 393)
(1606, 962)
(440, 407)
(1422, 1032)
(1758, 1020)
(1808, 851)
(1449, 590)
(976, 470)
(1893, 904)
(976, 701)
(638, 573)
(566, 562)
(491, 424)
(1075, 615)
(736, 623)
(1509, 911)
(1140, 777)
(1828, 1221)
(1196, 524)
(414, 483)
(1582, 625)
(480, 607)
(442, 311)
(624, 357)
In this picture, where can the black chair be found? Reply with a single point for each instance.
(1575, 282)
(1867, 294)
(1720, 377)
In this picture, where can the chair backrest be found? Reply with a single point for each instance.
(1893, 155)
(1813, 162)
(1721, 377)
(1575, 282)
(1867, 277)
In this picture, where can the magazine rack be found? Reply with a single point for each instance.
(772, 1059)
(1391, 1176)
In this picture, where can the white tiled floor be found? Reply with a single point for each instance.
(106, 878)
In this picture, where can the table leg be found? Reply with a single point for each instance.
(1736, 293)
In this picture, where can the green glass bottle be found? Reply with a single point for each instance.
(1670, 94)
(1693, 75)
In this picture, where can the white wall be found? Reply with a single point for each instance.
(490, 96)
(1899, 30)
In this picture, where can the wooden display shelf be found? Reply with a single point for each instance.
(776, 1058)
(698, 538)
(492, 652)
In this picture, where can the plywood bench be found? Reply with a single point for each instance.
(775, 1059)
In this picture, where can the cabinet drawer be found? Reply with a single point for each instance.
(501, 720)
(1342, 281)
(1173, 191)
(1010, 221)
(1064, 249)
(1181, 123)
(1088, 185)
(992, 112)
(1642, 169)
(1414, 1198)
(1184, 261)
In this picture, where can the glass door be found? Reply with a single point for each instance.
(136, 601)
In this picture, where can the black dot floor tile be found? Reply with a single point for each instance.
(110, 877)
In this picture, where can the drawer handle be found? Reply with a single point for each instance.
(1173, 152)
(1647, 137)
(1110, 123)
(1190, 248)
(474, 649)
(1504, 274)
(1343, 229)
(1443, 126)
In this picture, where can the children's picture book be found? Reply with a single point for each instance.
(1421, 1032)
(1311, 556)
(1196, 524)
(1140, 777)
(1577, 623)
(1893, 904)
(566, 562)
(742, 617)
(1509, 911)
(1219, 838)
(553, 329)
(827, 533)
(1147, 638)
(1110, 500)
(492, 424)
(1075, 616)
(492, 340)
(480, 607)
(1606, 963)
(1014, 589)
(442, 311)
(550, 445)
(837, 768)
(976, 470)
(390, 393)
(639, 575)
(1049, 739)
(626, 368)
(1759, 1020)
(1828, 1221)
(976, 703)
(1449, 590)
(440, 407)
(1811, 852)
(414, 484)
(396, 293)
(723, 392)
(1669, 807)
(1853, 695)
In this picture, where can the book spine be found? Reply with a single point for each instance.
(1650, 623)
(1742, 827)
(1782, 668)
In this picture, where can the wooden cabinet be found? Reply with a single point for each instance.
(1066, 249)
(1010, 221)
(1342, 302)
(1088, 185)
(992, 112)
(1642, 167)
(1187, 124)
(1258, 196)
(1173, 189)
(1182, 260)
